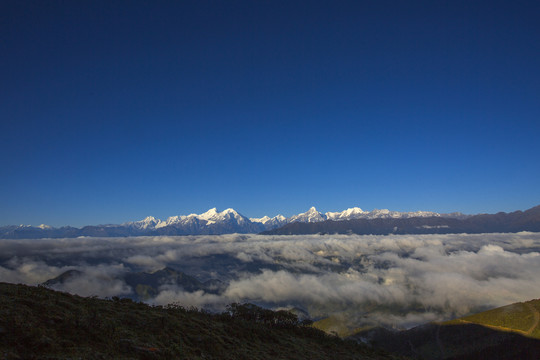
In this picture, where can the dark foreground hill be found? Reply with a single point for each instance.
(38, 323)
(516, 221)
(506, 333)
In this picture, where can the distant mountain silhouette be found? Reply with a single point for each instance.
(528, 220)
(147, 285)
(63, 277)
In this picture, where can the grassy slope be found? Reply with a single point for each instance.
(508, 332)
(36, 322)
(336, 325)
(522, 318)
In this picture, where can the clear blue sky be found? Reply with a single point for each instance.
(115, 110)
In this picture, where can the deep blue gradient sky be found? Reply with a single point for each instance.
(115, 110)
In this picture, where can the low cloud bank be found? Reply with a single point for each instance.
(392, 280)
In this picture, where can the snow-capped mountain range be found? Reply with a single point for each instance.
(210, 222)
(231, 216)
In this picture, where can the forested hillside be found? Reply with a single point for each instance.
(36, 322)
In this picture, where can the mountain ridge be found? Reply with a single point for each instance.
(214, 222)
(528, 220)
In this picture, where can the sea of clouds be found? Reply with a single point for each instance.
(396, 280)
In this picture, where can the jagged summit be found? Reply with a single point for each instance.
(147, 222)
(209, 214)
(350, 213)
(261, 220)
(312, 215)
(271, 223)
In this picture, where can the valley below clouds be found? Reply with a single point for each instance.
(396, 281)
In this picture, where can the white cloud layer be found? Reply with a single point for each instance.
(396, 280)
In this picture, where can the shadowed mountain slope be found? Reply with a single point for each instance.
(36, 322)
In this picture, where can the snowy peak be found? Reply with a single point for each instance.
(385, 213)
(312, 215)
(171, 221)
(227, 215)
(271, 223)
(380, 213)
(209, 215)
(351, 213)
(231, 213)
(262, 220)
(148, 222)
